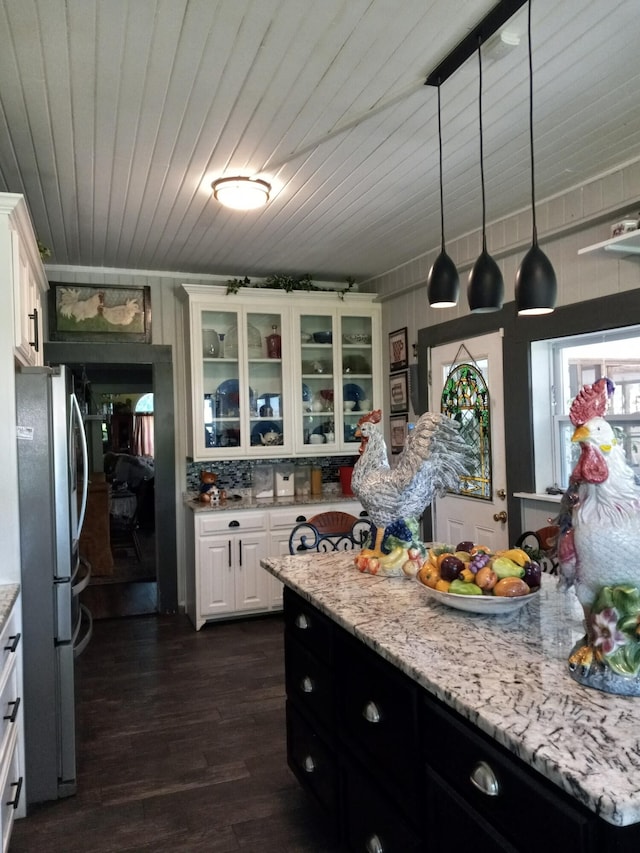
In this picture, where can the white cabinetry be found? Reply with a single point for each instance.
(11, 725)
(19, 257)
(227, 576)
(261, 383)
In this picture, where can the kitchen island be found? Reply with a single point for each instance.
(495, 684)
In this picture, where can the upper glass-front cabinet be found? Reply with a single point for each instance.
(339, 378)
(275, 374)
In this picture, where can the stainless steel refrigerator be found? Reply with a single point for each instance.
(52, 465)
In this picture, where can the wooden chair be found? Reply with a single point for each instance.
(329, 531)
(542, 545)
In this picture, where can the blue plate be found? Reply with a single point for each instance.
(353, 392)
(263, 428)
(228, 398)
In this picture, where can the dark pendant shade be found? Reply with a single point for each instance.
(536, 285)
(443, 283)
(485, 291)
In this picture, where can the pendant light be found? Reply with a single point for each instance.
(536, 285)
(485, 290)
(443, 282)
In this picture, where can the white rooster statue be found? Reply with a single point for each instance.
(432, 461)
(598, 549)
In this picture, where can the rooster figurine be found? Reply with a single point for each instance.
(598, 549)
(432, 461)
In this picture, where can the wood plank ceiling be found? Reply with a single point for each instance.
(116, 115)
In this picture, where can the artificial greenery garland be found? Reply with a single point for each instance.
(288, 283)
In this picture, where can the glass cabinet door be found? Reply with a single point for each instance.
(317, 371)
(224, 405)
(357, 391)
(264, 362)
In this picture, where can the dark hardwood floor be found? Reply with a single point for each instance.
(181, 746)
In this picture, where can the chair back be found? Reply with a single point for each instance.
(541, 544)
(328, 532)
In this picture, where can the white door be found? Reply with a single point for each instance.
(455, 517)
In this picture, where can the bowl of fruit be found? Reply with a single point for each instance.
(473, 578)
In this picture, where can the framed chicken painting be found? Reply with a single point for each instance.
(79, 312)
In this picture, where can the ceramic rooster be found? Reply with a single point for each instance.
(432, 461)
(598, 548)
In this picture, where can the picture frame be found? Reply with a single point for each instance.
(398, 355)
(99, 313)
(398, 432)
(399, 392)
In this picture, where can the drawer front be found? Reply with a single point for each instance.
(229, 522)
(309, 682)
(10, 640)
(9, 706)
(377, 709)
(288, 517)
(312, 761)
(529, 812)
(308, 625)
(11, 789)
(372, 823)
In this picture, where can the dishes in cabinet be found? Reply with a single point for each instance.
(355, 364)
(353, 392)
(356, 338)
(266, 433)
(227, 398)
(323, 337)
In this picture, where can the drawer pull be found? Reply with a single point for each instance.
(374, 845)
(309, 764)
(485, 780)
(307, 685)
(14, 645)
(234, 523)
(35, 343)
(18, 786)
(302, 621)
(372, 713)
(14, 713)
(300, 519)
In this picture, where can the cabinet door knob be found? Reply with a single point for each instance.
(374, 845)
(372, 713)
(302, 621)
(35, 343)
(13, 645)
(485, 780)
(309, 764)
(306, 685)
(14, 712)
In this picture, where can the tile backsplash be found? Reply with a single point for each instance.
(238, 474)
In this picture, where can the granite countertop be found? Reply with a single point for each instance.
(8, 595)
(507, 674)
(246, 502)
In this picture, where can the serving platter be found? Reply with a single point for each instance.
(491, 605)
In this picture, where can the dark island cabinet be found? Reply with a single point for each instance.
(397, 771)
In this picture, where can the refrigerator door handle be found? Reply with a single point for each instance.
(77, 415)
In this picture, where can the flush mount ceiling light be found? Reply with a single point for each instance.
(241, 193)
(443, 282)
(485, 291)
(536, 285)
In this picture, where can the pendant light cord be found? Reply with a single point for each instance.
(533, 182)
(484, 233)
(440, 150)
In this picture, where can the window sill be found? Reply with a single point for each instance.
(536, 496)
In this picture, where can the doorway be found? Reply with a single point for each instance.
(128, 368)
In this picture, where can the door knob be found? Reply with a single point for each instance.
(500, 516)
(501, 493)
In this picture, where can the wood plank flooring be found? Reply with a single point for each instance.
(181, 746)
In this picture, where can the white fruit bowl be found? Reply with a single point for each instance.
(486, 604)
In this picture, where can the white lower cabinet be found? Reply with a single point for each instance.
(11, 726)
(224, 549)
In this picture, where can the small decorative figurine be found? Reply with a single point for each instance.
(209, 492)
(597, 549)
(432, 461)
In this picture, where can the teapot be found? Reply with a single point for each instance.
(271, 437)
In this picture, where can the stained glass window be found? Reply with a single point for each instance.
(465, 398)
